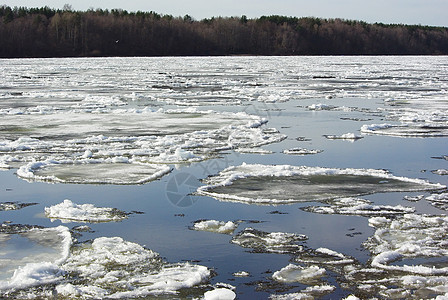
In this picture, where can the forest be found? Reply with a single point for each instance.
(47, 32)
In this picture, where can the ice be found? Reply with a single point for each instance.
(302, 151)
(241, 274)
(295, 273)
(121, 269)
(407, 130)
(409, 236)
(439, 200)
(310, 292)
(440, 172)
(4, 206)
(107, 267)
(282, 184)
(122, 146)
(359, 207)
(274, 242)
(92, 171)
(67, 211)
(215, 226)
(220, 294)
(39, 262)
(345, 136)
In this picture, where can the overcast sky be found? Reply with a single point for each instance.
(424, 12)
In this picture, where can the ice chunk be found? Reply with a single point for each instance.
(220, 294)
(439, 200)
(37, 260)
(345, 136)
(241, 274)
(121, 269)
(310, 292)
(274, 242)
(215, 226)
(409, 236)
(295, 273)
(407, 130)
(302, 151)
(281, 184)
(360, 207)
(13, 205)
(67, 211)
(440, 172)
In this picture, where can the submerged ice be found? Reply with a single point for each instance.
(282, 184)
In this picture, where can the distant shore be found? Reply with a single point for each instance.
(46, 32)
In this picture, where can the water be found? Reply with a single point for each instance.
(142, 134)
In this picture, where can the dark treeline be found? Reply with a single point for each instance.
(46, 32)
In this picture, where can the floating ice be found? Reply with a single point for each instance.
(321, 106)
(90, 171)
(345, 136)
(220, 294)
(281, 184)
(102, 268)
(439, 200)
(14, 205)
(67, 211)
(302, 151)
(440, 172)
(295, 273)
(410, 236)
(38, 262)
(310, 292)
(215, 226)
(241, 274)
(359, 207)
(407, 130)
(274, 242)
(122, 146)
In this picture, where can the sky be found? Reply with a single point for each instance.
(413, 12)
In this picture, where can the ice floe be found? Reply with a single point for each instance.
(282, 184)
(410, 236)
(359, 207)
(215, 226)
(295, 273)
(67, 211)
(122, 146)
(107, 267)
(302, 151)
(345, 136)
(407, 130)
(4, 206)
(273, 242)
(220, 294)
(439, 200)
(311, 292)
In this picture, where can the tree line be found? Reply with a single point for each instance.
(47, 32)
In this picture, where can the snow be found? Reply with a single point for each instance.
(67, 211)
(345, 136)
(215, 226)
